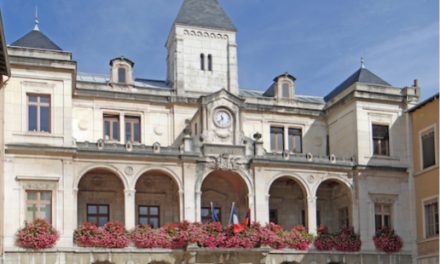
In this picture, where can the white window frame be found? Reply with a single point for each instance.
(424, 202)
(383, 198)
(421, 133)
(372, 140)
(286, 136)
(122, 115)
(39, 183)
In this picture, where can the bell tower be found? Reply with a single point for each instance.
(202, 49)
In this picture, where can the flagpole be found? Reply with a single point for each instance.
(230, 215)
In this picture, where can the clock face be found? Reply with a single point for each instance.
(222, 118)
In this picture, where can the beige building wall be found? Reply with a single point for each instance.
(426, 180)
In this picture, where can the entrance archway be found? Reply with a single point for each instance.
(287, 203)
(223, 188)
(100, 197)
(334, 205)
(157, 199)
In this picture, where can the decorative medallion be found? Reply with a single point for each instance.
(129, 170)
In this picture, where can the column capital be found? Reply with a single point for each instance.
(311, 199)
(129, 192)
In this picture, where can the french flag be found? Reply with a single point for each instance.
(234, 216)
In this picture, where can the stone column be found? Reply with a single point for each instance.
(181, 206)
(129, 209)
(311, 214)
(198, 206)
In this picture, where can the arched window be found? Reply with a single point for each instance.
(202, 62)
(209, 62)
(122, 75)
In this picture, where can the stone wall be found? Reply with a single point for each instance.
(201, 256)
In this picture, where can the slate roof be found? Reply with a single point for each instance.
(362, 75)
(105, 79)
(300, 98)
(204, 13)
(36, 40)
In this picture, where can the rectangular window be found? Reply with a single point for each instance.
(295, 140)
(122, 73)
(382, 215)
(149, 215)
(381, 142)
(132, 129)
(38, 205)
(431, 219)
(428, 149)
(38, 113)
(343, 217)
(99, 214)
(207, 215)
(277, 139)
(111, 127)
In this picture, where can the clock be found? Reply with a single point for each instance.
(222, 118)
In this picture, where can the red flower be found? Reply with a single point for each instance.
(386, 240)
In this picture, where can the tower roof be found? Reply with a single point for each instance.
(36, 40)
(362, 75)
(204, 13)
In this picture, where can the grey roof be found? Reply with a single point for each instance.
(105, 79)
(36, 40)
(204, 13)
(4, 62)
(300, 98)
(270, 92)
(362, 75)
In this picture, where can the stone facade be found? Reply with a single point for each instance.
(200, 139)
(5, 73)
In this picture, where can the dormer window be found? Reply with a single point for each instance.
(283, 86)
(285, 90)
(122, 75)
(121, 71)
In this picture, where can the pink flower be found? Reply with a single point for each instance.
(38, 235)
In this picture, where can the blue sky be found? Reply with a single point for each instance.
(320, 42)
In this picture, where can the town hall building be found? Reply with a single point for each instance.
(87, 147)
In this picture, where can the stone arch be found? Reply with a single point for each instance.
(294, 177)
(164, 170)
(334, 203)
(157, 198)
(110, 168)
(287, 201)
(343, 180)
(100, 196)
(243, 175)
(224, 188)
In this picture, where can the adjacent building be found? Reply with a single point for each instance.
(425, 129)
(5, 73)
(87, 147)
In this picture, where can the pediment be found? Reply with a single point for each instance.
(222, 94)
